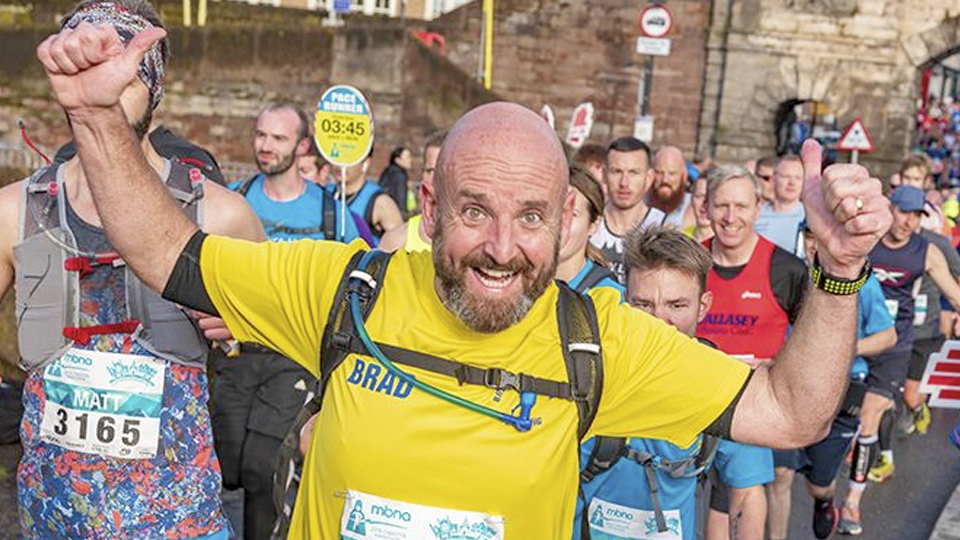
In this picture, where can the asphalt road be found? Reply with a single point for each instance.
(907, 506)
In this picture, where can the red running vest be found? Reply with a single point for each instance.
(745, 317)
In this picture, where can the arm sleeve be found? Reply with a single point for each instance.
(275, 294)
(185, 285)
(659, 383)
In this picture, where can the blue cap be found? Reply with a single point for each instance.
(909, 199)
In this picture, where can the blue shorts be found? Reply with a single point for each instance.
(821, 461)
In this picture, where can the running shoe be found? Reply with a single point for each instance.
(921, 418)
(882, 472)
(850, 521)
(825, 517)
(906, 423)
(955, 437)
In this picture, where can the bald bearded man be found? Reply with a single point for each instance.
(669, 192)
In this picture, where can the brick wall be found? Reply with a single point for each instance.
(221, 75)
(563, 52)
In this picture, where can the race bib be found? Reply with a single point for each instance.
(367, 517)
(609, 521)
(920, 309)
(104, 403)
(893, 307)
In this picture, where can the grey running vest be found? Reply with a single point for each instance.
(49, 266)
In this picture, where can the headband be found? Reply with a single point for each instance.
(127, 25)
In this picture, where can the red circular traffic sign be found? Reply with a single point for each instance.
(656, 21)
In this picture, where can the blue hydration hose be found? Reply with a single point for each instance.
(522, 421)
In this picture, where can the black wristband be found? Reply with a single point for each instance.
(838, 286)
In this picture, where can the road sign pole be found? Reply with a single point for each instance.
(487, 44)
(646, 81)
(855, 157)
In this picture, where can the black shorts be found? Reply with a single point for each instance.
(922, 349)
(255, 396)
(888, 371)
(719, 494)
(825, 457)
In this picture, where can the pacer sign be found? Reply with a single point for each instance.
(343, 126)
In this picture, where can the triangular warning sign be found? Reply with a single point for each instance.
(855, 138)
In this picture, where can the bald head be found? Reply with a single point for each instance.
(503, 133)
(669, 179)
(669, 154)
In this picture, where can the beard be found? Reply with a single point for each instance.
(283, 165)
(667, 202)
(483, 314)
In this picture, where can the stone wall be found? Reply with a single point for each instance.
(862, 58)
(220, 76)
(564, 52)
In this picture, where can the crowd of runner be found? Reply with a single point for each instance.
(121, 442)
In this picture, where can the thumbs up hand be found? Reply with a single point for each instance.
(89, 67)
(846, 211)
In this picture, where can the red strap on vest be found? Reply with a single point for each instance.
(85, 265)
(83, 334)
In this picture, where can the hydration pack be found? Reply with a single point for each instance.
(50, 266)
(580, 344)
(610, 450)
(607, 451)
(171, 146)
(328, 226)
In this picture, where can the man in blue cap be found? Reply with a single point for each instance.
(900, 258)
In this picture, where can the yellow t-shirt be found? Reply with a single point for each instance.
(414, 241)
(376, 436)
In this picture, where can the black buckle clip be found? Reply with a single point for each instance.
(341, 340)
(500, 379)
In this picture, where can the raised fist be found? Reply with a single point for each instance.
(846, 211)
(89, 66)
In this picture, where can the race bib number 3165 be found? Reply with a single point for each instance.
(104, 403)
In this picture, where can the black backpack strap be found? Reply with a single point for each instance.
(286, 481)
(580, 339)
(708, 449)
(244, 186)
(594, 276)
(340, 330)
(329, 217)
(605, 454)
(496, 378)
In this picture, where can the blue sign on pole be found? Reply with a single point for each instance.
(342, 6)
